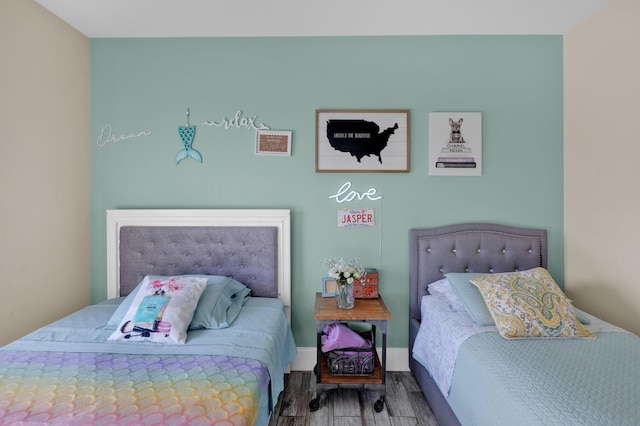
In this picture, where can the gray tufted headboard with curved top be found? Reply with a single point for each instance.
(468, 247)
(252, 246)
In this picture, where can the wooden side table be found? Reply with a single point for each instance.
(371, 311)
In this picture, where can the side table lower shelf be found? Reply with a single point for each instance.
(373, 379)
(369, 311)
(328, 381)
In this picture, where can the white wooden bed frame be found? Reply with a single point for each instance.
(279, 218)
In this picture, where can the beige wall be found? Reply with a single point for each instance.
(602, 169)
(44, 176)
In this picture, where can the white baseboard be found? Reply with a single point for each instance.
(397, 359)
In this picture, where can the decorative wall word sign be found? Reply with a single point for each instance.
(107, 136)
(187, 133)
(344, 195)
(356, 218)
(239, 121)
(271, 142)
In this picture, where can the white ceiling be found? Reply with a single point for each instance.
(238, 18)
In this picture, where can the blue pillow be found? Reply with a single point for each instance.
(470, 296)
(220, 303)
(581, 316)
(123, 308)
(474, 303)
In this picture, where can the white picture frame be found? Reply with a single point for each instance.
(273, 142)
(455, 144)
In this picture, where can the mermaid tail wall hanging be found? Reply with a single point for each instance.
(187, 133)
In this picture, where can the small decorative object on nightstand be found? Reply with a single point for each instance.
(346, 273)
(367, 286)
(344, 294)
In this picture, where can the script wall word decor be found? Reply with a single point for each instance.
(107, 136)
(187, 133)
(238, 121)
(345, 195)
(362, 141)
(455, 144)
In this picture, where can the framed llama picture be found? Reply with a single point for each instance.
(455, 144)
(362, 141)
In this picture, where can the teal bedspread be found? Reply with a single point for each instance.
(547, 382)
(68, 373)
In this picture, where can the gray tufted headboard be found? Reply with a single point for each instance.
(470, 247)
(252, 246)
(247, 254)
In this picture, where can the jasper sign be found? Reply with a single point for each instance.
(356, 218)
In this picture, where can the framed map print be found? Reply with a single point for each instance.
(362, 141)
(455, 144)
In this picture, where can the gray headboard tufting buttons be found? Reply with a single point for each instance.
(253, 246)
(247, 254)
(482, 248)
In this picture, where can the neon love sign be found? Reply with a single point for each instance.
(344, 195)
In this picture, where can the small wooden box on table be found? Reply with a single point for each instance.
(370, 311)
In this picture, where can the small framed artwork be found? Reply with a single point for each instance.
(329, 287)
(272, 142)
(362, 141)
(455, 144)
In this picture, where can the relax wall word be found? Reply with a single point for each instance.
(107, 136)
(344, 195)
(239, 121)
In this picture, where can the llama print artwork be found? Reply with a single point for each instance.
(455, 144)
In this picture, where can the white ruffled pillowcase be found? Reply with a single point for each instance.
(161, 310)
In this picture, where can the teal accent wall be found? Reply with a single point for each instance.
(141, 85)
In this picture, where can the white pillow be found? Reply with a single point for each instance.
(443, 287)
(161, 310)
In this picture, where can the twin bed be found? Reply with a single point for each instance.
(97, 366)
(471, 375)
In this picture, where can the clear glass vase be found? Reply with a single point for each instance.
(344, 295)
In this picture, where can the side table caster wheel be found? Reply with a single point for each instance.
(378, 405)
(314, 404)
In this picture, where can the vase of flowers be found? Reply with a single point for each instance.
(344, 295)
(345, 272)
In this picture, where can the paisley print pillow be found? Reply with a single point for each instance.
(529, 304)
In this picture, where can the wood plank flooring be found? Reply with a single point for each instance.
(405, 405)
